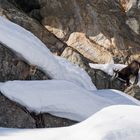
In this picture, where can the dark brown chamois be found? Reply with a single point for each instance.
(128, 72)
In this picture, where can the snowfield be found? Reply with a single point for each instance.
(109, 114)
(118, 122)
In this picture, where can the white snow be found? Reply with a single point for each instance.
(118, 122)
(63, 98)
(31, 49)
(107, 68)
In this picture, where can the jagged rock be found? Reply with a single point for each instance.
(133, 15)
(90, 50)
(14, 116)
(53, 121)
(12, 68)
(133, 90)
(100, 26)
(74, 57)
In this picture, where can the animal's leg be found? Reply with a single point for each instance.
(136, 80)
(127, 82)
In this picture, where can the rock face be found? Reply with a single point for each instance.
(12, 68)
(102, 31)
(93, 28)
(12, 115)
(133, 15)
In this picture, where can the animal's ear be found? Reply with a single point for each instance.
(115, 70)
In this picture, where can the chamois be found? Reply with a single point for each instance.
(128, 72)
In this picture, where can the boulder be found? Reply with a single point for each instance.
(13, 68)
(53, 121)
(13, 115)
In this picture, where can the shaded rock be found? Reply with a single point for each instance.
(46, 120)
(26, 5)
(13, 68)
(53, 121)
(14, 116)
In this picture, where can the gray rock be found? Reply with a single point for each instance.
(53, 121)
(12, 10)
(134, 91)
(13, 115)
(13, 68)
(133, 15)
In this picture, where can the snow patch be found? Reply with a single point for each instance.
(63, 98)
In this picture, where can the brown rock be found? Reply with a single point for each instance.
(88, 49)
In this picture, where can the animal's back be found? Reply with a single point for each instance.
(134, 66)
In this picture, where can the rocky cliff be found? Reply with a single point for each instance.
(102, 31)
(82, 31)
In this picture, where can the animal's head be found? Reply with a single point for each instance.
(115, 74)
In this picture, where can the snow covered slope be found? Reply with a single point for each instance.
(63, 98)
(31, 49)
(119, 122)
(71, 95)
